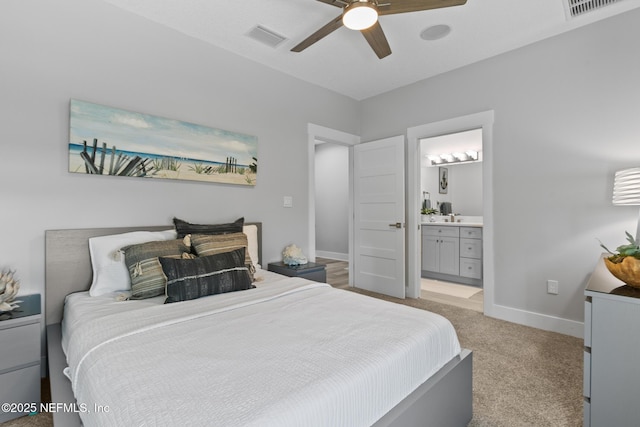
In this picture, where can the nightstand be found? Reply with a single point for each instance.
(20, 356)
(310, 270)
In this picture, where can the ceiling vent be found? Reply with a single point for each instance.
(575, 8)
(266, 36)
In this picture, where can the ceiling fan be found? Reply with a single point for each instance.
(363, 15)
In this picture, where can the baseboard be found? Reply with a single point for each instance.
(536, 320)
(332, 255)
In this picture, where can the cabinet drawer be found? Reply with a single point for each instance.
(471, 232)
(587, 322)
(587, 414)
(471, 268)
(20, 346)
(471, 248)
(586, 377)
(21, 386)
(432, 230)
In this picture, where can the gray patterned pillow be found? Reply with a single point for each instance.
(145, 271)
(189, 279)
(205, 244)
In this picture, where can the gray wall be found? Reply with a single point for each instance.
(90, 50)
(332, 200)
(566, 118)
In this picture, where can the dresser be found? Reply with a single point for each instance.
(20, 358)
(611, 351)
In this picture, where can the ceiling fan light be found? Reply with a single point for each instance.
(359, 15)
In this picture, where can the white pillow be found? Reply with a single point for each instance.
(110, 273)
(252, 239)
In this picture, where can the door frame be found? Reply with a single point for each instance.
(482, 120)
(325, 134)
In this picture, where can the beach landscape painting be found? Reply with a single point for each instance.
(111, 141)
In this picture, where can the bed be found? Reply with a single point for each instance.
(288, 351)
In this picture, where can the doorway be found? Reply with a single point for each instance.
(322, 135)
(459, 155)
(483, 120)
(332, 210)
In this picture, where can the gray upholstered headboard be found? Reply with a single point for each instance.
(68, 264)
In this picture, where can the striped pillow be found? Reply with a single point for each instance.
(205, 245)
(189, 279)
(145, 271)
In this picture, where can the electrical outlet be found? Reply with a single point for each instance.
(287, 202)
(552, 287)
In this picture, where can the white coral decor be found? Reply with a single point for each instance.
(9, 287)
(292, 255)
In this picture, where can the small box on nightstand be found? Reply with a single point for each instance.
(310, 270)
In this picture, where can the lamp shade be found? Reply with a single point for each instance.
(626, 187)
(360, 15)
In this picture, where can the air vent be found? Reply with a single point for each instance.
(574, 8)
(266, 36)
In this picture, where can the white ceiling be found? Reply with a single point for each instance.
(343, 61)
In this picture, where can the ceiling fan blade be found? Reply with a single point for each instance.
(404, 6)
(377, 40)
(318, 35)
(336, 3)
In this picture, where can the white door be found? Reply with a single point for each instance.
(379, 233)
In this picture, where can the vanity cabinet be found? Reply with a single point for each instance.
(441, 249)
(471, 252)
(452, 253)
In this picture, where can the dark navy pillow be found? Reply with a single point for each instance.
(189, 279)
(183, 227)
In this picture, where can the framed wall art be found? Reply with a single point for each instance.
(111, 141)
(443, 180)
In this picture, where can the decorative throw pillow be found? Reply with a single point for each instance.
(145, 271)
(204, 245)
(189, 279)
(183, 227)
(251, 231)
(109, 270)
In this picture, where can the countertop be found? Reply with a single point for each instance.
(454, 224)
(603, 281)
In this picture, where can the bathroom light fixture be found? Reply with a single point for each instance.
(457, 157)
(360, 15)
(626, 190)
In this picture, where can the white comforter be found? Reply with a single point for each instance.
(293, 353)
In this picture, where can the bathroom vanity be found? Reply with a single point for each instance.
(452, 251)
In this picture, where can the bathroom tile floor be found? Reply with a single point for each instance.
(469, 297)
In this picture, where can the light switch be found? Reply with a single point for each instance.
(287, 202)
